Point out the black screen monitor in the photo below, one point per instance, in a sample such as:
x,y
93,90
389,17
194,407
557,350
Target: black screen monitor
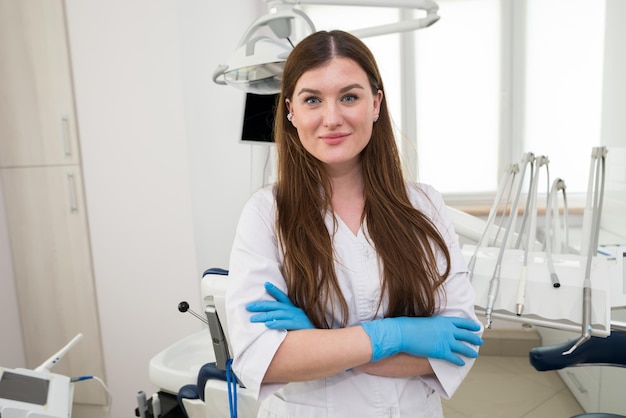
x,y
258,118
23,388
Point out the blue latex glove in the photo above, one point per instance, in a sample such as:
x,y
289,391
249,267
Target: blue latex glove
x,y
279,314
439,337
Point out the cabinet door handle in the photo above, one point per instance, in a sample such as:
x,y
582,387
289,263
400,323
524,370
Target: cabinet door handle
x,y
65,134
71,189
581,388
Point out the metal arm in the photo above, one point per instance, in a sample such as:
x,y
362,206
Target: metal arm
x,y
595,196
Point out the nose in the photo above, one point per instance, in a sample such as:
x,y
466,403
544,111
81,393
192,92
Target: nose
x,y
332,115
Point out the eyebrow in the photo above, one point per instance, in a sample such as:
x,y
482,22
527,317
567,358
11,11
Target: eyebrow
x,y
342,90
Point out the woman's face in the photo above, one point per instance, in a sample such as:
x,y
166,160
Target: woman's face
x,y
333,111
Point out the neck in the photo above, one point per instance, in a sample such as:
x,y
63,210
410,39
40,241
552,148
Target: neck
x,y
348,199
347,182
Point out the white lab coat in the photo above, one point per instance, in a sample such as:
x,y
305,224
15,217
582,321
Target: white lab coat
x,y
256,258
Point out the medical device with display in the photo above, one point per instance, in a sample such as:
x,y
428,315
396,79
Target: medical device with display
x,y
37,393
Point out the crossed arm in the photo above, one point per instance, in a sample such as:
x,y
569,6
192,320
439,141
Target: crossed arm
x,y
394,347
314,354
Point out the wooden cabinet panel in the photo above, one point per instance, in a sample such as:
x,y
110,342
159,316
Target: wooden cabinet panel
x,y
52,265
37,123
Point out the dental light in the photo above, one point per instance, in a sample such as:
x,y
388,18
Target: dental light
x,y
257,63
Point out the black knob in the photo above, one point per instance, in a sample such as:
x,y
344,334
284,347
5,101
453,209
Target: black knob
x,y
183,306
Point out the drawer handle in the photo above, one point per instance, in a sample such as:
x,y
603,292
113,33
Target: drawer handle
x,y
65,134
581,388
71,187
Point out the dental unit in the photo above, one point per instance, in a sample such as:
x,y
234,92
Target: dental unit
x,y
494,283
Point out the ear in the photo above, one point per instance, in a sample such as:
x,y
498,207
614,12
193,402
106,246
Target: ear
x,y
378,99
289,107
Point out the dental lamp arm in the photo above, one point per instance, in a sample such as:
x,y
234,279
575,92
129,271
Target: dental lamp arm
x,y
429,6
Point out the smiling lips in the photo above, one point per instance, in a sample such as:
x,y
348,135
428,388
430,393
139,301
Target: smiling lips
x,y
334,138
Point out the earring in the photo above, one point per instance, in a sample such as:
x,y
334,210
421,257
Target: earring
x,y
289,116
376,118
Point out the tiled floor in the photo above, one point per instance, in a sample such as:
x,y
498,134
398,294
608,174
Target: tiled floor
x,y
506,386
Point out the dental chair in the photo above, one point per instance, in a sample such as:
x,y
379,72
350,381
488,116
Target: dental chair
x,y
209,397
598,351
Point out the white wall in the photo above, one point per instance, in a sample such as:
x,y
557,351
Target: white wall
x,y
223,171
613,120
614,89
159,147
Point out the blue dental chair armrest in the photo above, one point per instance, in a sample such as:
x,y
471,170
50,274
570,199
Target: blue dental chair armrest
x,y
209,371
597,351
215,270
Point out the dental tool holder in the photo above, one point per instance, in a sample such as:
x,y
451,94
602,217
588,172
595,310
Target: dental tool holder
x,y
509,267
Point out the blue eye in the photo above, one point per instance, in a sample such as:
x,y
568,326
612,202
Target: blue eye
x,y
350,98
312,100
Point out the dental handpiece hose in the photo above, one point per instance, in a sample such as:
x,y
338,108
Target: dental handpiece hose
x,y
494,285
521,292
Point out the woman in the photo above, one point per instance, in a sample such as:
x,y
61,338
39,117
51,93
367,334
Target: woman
x,y
379,316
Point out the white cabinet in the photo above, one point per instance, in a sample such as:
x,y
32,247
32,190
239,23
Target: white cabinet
x,y
43,192
52,266
36,100
596,388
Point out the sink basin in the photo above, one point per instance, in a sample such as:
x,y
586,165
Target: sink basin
x,y
178,364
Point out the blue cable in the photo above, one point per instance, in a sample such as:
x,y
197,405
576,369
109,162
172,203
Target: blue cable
x,y
231,381
80,378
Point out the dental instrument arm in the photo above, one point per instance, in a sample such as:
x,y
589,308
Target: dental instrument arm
x,y
494,286
509,175
565,245
494,283
598,158
551,206
526,212
520,298
531,207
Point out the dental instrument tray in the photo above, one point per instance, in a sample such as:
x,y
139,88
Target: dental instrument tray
x,y
547,306
522,279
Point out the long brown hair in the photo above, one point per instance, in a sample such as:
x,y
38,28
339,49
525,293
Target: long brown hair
x,y
405,239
